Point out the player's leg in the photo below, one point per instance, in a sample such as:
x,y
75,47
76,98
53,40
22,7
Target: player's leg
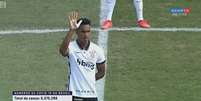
x,y
107,11
139,11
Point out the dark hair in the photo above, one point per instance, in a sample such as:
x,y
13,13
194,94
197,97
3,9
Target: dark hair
x,y
85,21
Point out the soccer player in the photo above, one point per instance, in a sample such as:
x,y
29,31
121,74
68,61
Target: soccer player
x,y
108,8
86,59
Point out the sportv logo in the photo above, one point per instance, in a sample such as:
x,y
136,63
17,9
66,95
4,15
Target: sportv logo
x,y
180,11
89,65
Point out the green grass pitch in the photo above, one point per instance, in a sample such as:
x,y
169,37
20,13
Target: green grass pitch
x,y
142,66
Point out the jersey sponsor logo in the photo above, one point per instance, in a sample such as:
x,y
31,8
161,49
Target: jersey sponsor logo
x,y
83,63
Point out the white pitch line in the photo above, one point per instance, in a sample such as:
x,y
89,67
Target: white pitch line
x,y
100,85
157,29
40,31
102,41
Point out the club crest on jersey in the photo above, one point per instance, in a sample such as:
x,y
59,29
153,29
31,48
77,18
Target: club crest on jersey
x,y
88,65
92,53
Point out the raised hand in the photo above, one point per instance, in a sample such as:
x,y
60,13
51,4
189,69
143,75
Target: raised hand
x,y
72,19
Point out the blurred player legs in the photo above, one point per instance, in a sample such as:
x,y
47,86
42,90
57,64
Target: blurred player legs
x,y
108,8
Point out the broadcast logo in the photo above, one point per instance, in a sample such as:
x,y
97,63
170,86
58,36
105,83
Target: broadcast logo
x,y
180,11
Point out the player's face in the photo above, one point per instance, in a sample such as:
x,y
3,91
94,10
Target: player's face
x,y
84,33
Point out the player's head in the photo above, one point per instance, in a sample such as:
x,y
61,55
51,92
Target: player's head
x,y
85,21
84,30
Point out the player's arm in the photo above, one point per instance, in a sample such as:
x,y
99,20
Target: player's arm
x,y
100,71
72,20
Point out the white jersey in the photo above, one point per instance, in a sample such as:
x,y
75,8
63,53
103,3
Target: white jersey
x,y
82,69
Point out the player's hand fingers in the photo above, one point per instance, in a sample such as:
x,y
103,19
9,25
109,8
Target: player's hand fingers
x,y
70,21
73,19
76,14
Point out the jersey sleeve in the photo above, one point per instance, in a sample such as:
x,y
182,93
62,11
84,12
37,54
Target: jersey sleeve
x,y
101,56
70,47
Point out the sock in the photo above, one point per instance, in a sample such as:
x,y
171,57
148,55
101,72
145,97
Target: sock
x,y
108,8
139,9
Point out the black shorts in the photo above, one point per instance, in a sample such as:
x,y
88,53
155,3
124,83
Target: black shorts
x,y
75,98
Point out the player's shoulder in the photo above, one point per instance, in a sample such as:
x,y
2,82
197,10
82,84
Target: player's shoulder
x,y
72,43
95,46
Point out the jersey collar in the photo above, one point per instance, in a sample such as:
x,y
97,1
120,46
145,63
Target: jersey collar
x,y
85,48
